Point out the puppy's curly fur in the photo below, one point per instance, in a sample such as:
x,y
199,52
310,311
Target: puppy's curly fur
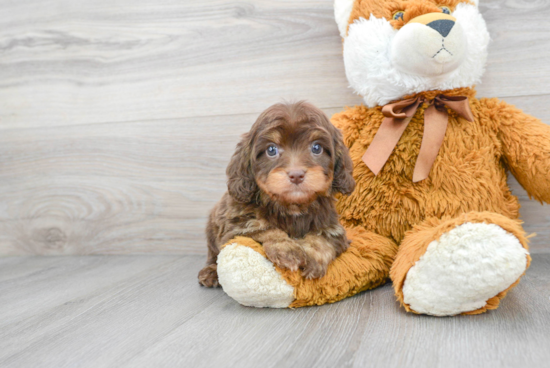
x,y
281,182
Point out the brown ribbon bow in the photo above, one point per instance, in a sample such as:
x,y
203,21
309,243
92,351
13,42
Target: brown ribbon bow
x,y
396,118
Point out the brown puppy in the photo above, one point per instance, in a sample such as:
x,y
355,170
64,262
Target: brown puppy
x,y
281,182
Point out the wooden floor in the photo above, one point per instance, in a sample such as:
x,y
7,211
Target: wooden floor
x,y
148,311
117,119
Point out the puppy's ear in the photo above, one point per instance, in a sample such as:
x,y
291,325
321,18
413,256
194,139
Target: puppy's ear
x,y
343,181
240,179
343,166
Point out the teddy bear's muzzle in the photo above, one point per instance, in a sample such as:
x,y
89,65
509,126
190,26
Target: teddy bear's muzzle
x,y
428,45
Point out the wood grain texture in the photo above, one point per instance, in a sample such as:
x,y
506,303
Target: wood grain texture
x,y
71,62
148,311
126,60
118,117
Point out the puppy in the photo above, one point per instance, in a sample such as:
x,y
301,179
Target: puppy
x,y
281,182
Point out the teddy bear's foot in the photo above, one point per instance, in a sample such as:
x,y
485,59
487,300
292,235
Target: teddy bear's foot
x,y
251,279
467,269
463,269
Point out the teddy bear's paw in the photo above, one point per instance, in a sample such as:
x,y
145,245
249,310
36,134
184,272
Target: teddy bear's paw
x,y
462,270
249,278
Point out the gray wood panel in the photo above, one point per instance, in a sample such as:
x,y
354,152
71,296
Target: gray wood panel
x,y
148,311
118,117
129,187
78,62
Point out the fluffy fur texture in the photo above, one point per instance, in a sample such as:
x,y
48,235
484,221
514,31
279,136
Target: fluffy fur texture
x,y
281,182
342,11
465,267
241,269
463,218
467,175
247,276
433,230
376,51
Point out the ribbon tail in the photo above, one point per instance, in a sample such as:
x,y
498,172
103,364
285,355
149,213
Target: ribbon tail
x,y
458,104
384,142
435,126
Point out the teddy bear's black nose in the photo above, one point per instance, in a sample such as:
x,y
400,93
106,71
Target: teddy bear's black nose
x,y
443,26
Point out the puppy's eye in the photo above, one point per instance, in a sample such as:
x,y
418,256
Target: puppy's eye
x,y
272,151
398,15
445,9
316,149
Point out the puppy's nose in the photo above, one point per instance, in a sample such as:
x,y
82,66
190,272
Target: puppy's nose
x,y
296,176
443,26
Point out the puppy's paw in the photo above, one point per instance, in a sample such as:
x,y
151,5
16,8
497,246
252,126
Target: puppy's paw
x,y
208,276
285,254
314,269
319,253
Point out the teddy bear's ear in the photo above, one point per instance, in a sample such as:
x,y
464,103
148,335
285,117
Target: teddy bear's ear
x,y
342,12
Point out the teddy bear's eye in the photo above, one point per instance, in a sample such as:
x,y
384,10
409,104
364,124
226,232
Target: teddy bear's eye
x,y
398,15
445,9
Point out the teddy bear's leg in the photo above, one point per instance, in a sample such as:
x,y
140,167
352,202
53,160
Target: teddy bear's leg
x,y
464,265
248,277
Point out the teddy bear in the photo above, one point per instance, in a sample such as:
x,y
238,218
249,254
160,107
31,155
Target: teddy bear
x,y
432,210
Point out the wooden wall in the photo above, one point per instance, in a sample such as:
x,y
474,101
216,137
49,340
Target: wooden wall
x,y
118,117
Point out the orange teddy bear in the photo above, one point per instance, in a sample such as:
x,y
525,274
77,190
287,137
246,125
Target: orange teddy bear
x,y
432,209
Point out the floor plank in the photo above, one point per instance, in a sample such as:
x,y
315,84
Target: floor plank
x,y
37,284
97,323
159,316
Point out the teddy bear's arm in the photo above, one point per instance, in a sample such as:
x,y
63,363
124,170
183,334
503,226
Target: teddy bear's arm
x,y
526,148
